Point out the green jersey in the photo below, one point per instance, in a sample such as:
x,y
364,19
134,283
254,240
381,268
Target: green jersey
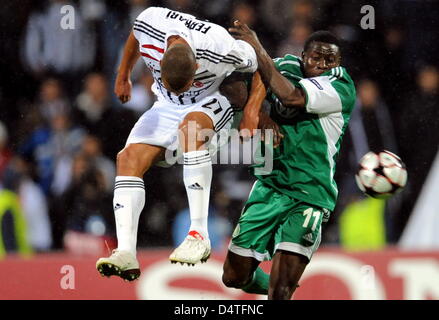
x,y
304,163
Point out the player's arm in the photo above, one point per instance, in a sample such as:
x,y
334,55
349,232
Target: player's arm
x,y
123,86
287,93
253,116
235,89
250,117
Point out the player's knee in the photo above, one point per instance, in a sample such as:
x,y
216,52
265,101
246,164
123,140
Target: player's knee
x,y
196,121
129,162
232,280
284,290
195,131
125,158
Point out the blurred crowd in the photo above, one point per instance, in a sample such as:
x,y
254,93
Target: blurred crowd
x,y
61,125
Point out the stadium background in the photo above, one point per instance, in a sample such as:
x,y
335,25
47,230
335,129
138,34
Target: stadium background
x,y
61,128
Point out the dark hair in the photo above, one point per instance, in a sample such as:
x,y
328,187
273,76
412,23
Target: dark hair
x,y
178,66
321,36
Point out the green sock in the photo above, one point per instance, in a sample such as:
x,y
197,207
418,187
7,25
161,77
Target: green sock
x,y
259,283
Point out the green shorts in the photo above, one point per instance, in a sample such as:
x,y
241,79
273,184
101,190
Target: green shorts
x,y
271,220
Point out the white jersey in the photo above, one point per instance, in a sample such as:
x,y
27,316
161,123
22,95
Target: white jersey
x,y
217,52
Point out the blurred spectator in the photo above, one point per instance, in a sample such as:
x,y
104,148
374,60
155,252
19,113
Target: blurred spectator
x,y
419,125
217,11
51,99
244,12
89,201
236,182
95,113
92,10
136,8
91,148
394,79
377,122
185,6
86,205
113,31
5,152
142,97
51,49
276,15
304,11
296,40
14,228
48,144
33,204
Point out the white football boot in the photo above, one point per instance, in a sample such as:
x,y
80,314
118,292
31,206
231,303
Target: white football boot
x,y
192,250
121,263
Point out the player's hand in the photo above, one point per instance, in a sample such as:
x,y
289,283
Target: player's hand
x,y
122,89
241,31
266,123
248,126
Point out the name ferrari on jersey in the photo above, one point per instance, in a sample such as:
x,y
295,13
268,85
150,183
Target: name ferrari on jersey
x,y
189,23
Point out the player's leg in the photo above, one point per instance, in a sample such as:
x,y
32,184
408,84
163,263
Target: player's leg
x,y
286,270
145,146
253,241
297,239
243,273
128,202
197,178
129,191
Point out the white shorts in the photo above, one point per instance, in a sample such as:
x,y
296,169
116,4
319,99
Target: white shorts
x,y
159,125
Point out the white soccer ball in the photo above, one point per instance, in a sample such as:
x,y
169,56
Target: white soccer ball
x,y
382,174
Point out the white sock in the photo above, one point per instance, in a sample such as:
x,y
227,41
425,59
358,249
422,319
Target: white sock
x,y
128,202
197,177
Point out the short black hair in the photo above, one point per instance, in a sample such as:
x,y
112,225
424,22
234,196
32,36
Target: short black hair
x,y
178,66
321,36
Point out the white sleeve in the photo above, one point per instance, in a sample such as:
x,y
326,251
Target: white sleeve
x,y
142,19
321,97
244,57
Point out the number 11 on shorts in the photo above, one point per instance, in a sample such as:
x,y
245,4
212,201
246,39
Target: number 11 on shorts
x,y
309,213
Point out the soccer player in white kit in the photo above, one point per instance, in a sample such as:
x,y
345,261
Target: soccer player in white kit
x,y
189,58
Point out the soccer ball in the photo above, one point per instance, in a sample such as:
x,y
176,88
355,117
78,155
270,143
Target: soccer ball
x,y
380,175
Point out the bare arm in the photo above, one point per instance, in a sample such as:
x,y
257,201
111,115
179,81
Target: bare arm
x,y
123,86
288,94
250,117
253,117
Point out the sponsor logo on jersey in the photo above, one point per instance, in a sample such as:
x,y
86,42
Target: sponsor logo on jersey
x,y
198,84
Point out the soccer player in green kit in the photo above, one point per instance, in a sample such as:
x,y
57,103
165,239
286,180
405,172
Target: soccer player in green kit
x,y
311,101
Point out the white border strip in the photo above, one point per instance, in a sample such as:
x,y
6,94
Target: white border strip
x,y
248,252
